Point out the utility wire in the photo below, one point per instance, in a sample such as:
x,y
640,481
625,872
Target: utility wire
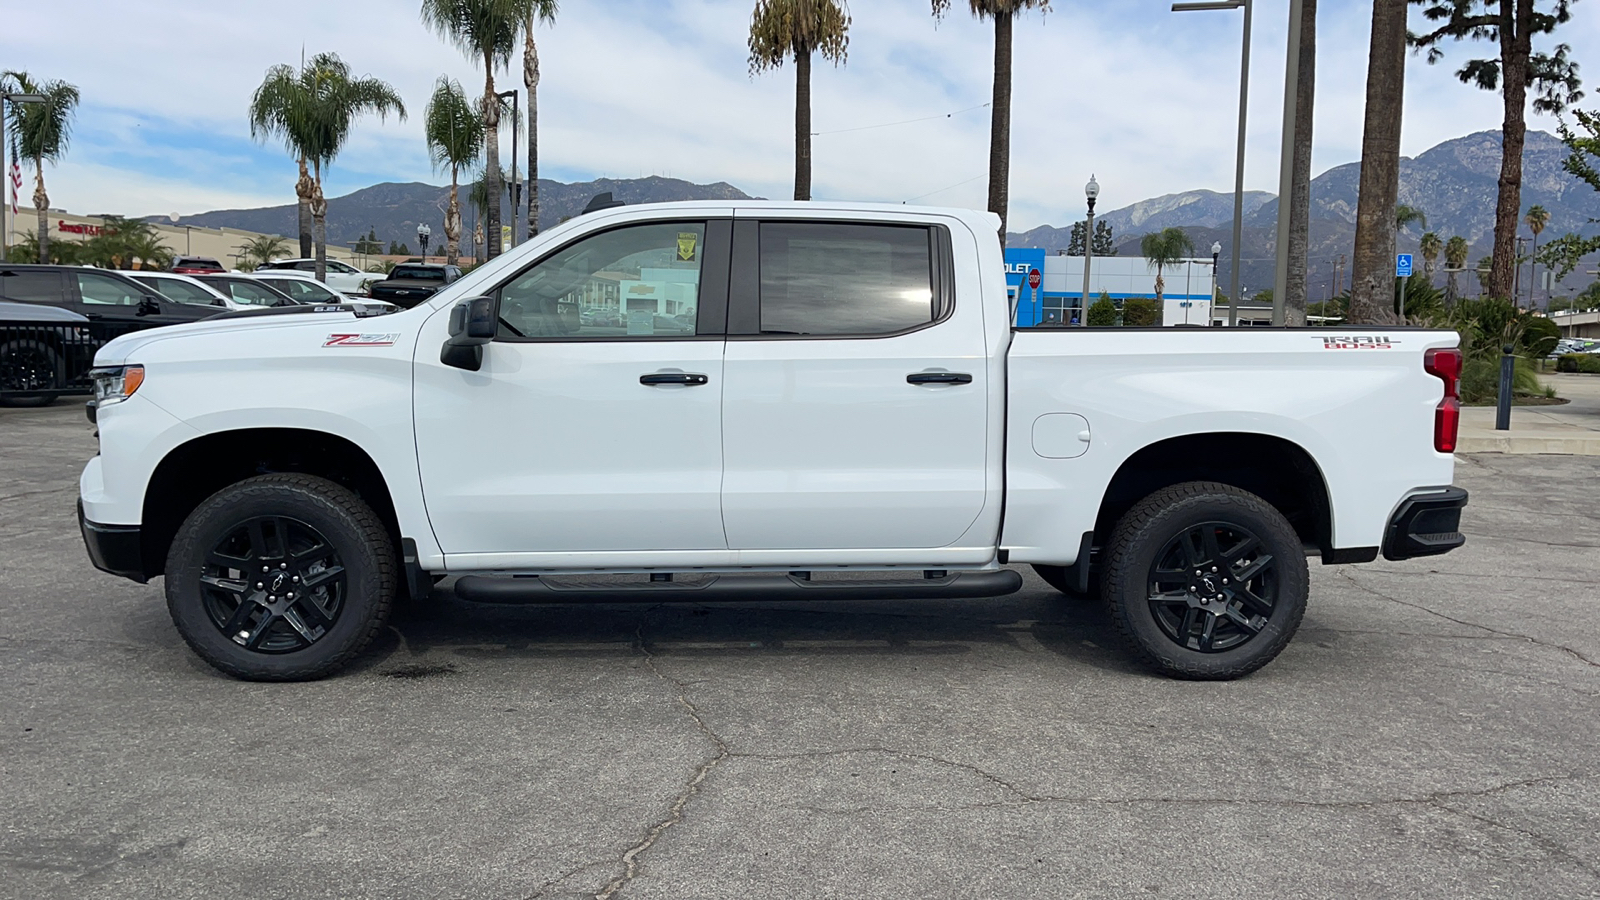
x,y
942,190
906,122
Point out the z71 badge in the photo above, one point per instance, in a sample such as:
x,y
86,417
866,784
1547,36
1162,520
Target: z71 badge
x,y
361,340
1358,342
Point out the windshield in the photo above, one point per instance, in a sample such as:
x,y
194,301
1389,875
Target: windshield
x,y
419,273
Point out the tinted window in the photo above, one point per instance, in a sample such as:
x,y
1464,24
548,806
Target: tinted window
x,y
829,278
108,291
309,266
197,262
639,281
32,287
420,273
304,290
181,291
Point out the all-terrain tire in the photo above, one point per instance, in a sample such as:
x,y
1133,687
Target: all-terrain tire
x,y
356,540
1151,528
29,364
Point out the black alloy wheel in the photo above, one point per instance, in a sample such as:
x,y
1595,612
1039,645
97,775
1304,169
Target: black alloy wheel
x,y
1213,587
28,369
273,584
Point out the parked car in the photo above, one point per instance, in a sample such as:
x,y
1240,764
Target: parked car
x,y
182,288
98,294
304,287
42,348
411,283
871,408
247,292
194,265
343,278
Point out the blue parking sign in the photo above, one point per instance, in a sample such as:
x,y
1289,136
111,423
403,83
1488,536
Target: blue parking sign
x,y
1402,265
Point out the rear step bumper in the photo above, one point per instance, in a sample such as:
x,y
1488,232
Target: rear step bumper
x,y
722,588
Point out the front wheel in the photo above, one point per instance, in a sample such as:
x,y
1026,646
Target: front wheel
x,y
281,578
1205,581
28,365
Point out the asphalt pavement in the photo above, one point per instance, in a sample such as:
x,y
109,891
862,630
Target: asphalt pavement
x,y
1431,733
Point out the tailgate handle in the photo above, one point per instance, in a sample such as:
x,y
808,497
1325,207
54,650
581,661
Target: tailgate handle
x,y
938,378
684,378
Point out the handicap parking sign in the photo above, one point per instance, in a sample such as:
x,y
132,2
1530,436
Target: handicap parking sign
x,y
1402,265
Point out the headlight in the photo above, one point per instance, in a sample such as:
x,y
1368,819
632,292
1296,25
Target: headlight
x,y
114,383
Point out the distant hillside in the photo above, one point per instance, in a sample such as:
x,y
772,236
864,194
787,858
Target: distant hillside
x,y
394,210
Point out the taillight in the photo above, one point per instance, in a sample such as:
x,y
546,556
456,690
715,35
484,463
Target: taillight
x,y
1445,364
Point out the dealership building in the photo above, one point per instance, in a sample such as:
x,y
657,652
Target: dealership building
x,y
1055,296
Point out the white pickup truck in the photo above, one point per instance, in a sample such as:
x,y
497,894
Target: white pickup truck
x,y
750,401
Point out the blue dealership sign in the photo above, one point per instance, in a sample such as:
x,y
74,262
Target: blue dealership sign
x,y
1019,262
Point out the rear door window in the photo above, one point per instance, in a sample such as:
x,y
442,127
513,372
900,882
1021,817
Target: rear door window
x,y
103,290
31,286
181,291
845,279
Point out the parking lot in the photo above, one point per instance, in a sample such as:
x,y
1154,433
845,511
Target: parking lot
x,y
1434,731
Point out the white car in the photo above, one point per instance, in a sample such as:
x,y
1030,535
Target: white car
x,y
849,394
183,289
305,288
343,278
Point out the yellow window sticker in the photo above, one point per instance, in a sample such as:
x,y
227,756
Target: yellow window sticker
x,y
686,242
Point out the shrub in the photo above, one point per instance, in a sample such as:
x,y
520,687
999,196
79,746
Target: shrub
x,y
1140,312
1102,313
1585,363
1540,337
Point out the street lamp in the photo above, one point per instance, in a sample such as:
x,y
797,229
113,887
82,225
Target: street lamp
x,y
5,232
423,233
1238,178
1216,258
1091,191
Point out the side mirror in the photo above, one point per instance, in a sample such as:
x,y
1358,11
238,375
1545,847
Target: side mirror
x,y
473,323
149,306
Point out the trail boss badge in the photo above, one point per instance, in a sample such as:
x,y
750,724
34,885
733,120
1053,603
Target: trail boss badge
x,y
1357,342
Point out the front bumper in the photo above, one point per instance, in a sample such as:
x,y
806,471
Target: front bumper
x,y
113,548
1426,524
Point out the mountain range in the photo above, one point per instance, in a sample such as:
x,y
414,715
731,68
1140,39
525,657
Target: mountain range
x,y
1454,183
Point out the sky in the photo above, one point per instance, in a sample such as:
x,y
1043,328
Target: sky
x,y
1140,97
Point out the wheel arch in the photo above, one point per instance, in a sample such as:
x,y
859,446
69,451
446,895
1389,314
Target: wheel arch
x,y
1278,470
198,468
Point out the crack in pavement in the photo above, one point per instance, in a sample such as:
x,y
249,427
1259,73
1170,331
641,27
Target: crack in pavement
x,y
1529,638
559,879
1528,540
1434,573
1547,844
630,858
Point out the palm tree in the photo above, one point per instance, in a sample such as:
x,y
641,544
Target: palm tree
x,y
260,250
1485,273
1538,217
1163,248
312,111
486,30
1002,12
783,28
1406,216
1455,259
1299,201
40,132
1429,246
280,108
454,131
1372,267
544,10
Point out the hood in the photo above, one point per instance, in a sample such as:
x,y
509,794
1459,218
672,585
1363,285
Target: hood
x,y
121,349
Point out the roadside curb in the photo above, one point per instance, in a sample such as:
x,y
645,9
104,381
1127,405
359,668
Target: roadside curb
x,y
1508,442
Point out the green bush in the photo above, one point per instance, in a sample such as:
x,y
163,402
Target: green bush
x,y
1540,337
1480,380
1102,313
1140,312
1585,363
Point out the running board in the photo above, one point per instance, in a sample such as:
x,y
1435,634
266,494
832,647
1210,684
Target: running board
x,y
762,586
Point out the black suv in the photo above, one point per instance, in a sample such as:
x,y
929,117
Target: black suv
x,y
97,294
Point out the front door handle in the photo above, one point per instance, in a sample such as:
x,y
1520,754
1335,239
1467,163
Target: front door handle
x,y
688,379
938,378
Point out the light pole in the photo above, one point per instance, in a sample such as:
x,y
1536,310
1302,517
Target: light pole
x,y
1216,256
1091,191
423,233
1238,178
5,232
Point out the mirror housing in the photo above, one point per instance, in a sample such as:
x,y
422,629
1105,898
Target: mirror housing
x,y
149,306
473,323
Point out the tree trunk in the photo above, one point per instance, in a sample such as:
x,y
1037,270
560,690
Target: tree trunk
x,y
452,223
491,159
303,189
1000,125
41,205
1451,291
1294,295
802,125
530,80
1515,44
319,225
1372,269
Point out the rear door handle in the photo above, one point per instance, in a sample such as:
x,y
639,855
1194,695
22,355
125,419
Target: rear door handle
x,y
938,378
685,378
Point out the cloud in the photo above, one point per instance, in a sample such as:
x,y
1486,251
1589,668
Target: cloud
x,y
1143,98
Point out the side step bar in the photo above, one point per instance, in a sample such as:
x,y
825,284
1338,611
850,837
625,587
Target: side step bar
x,y
760,586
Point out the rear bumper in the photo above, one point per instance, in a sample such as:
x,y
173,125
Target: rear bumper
x,y
113,548
1426,524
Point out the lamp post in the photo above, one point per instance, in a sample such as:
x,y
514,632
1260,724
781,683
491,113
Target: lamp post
x,y
1238,178
5,231
1216,256
423,233
1091,191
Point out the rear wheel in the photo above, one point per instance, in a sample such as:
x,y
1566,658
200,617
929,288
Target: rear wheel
x,y
28,365
281,578
1205,581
